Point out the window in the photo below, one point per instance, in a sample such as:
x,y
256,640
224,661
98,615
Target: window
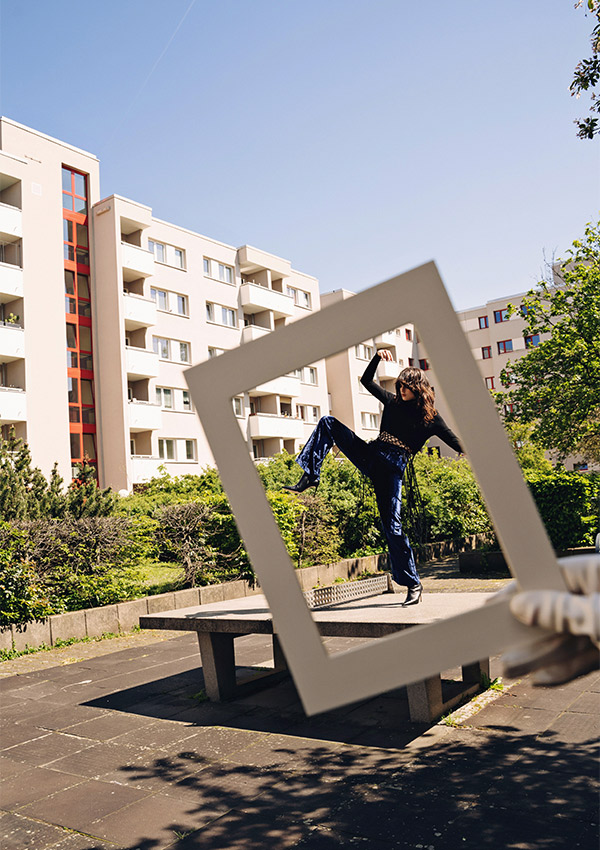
x,y
483,322
509,408
309,375
214,352
179,258
186,400
301,298
411,361
161,347
161,298
228,317
225,273
182,305
364,352
580,467
164,397
158,249
190,450
408,334
505,346
206,266
489,382
220,315
486,352
424,365
501,316
184,352
314,413
369,420
166,449
238,406
532,341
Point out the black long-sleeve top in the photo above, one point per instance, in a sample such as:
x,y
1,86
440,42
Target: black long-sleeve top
x,y
402,419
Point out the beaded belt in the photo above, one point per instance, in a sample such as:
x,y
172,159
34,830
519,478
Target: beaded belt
x,y
384,437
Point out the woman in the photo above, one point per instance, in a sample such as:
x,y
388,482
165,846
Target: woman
x,y
408,420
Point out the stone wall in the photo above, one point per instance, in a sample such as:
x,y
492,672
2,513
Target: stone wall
x,y
122,617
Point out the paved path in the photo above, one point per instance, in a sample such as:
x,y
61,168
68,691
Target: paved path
x,y
111,745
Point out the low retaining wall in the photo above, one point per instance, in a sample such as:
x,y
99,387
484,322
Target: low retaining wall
x,y
123,616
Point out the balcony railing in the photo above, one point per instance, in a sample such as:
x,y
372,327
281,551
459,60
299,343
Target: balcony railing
x,y
144,467
13,405
252,332
141,363
11,226
11,282
12,342
136,262
138,312
286,385
144,415
255,299
266,425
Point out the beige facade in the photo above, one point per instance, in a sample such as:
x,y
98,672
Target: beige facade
x,y
162,299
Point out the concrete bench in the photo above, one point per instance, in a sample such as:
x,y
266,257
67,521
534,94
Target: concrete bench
x,y
339,611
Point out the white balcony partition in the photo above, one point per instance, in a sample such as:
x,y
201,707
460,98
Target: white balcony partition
x,y
386,340
266,425
255,298
12,342
11,282
138,312
13,405
136,262
141,363
144,416
11,226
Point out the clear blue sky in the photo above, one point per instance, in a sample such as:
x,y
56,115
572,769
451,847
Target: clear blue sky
x,y
357,138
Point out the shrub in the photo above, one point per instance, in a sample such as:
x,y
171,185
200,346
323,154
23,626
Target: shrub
x,y
22,596
568,506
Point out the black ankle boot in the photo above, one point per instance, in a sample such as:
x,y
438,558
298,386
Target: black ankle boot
x,y
413,596
305,482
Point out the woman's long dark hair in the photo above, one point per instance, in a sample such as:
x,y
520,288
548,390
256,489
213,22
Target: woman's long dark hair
x,y
416,381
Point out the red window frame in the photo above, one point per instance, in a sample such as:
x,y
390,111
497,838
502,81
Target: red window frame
x,y
489,382
486,352
483,322
502,346
501,315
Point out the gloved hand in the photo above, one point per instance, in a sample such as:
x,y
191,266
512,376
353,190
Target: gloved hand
x,y
574,615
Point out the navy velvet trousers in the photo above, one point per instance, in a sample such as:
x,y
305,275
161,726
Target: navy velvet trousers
x,y
384,464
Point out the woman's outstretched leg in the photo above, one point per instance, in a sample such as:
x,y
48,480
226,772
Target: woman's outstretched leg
x,y
330,431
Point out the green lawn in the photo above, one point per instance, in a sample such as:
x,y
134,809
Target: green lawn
x,y
159,578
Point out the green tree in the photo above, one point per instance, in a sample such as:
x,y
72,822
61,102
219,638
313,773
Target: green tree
x,y
587,74
555,387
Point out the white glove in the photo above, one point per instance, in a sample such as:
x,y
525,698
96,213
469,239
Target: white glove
x,y
574,615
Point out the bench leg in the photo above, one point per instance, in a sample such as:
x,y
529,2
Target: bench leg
x,y
218,665
278,657
425,700
472,673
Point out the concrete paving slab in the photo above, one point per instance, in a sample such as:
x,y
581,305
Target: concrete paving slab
x,y
23,833
34,784
79,807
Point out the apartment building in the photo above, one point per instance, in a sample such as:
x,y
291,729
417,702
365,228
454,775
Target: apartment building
x,y
103,307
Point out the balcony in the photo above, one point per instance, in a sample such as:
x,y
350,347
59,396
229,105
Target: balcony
x,y
141,363
11,227
12,342
252,332
266,425
11,282
388,370
136,262
252,260
13,405
255,299
144,467
386,340
284,386
144,416
138,312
